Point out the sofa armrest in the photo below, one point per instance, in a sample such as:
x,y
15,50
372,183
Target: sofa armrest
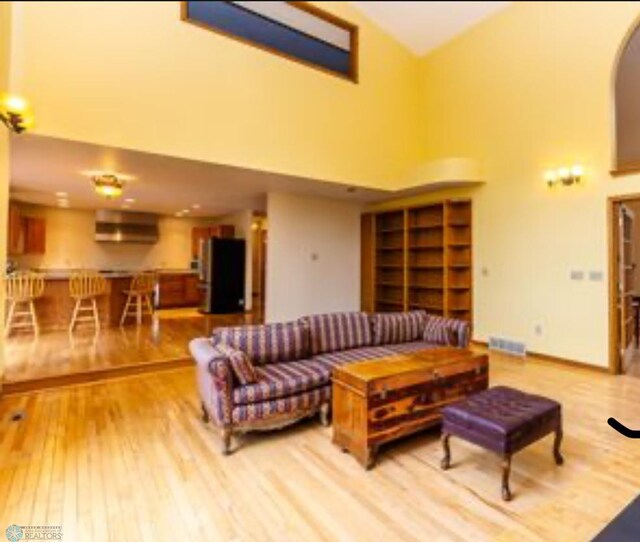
x,y
447,331
215,380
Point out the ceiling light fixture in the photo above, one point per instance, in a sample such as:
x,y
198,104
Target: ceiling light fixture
x,y
15,113
108,185
61,195
129,200
195,206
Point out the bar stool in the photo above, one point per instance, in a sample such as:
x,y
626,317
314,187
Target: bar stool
x,y
23,288
85,287
139,297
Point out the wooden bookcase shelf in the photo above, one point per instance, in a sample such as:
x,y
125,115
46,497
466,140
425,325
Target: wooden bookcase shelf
x,y
419,257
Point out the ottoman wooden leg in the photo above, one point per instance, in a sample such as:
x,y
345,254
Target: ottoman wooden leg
x,y
556,447
506,471
446,460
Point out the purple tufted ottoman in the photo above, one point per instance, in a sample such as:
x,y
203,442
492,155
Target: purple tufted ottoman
x,y
505,421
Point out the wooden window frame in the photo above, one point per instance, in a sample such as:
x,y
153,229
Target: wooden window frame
x,y
353,30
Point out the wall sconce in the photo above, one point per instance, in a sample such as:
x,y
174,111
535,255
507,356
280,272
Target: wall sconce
x,y
15,113
564,175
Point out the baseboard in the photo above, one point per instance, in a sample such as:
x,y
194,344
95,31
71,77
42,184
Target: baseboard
x,y
554,359
88,377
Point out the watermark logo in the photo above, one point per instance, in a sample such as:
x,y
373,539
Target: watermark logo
x,y
19,533
14,533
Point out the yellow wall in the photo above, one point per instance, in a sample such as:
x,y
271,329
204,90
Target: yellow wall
x,y
132,74
5,34
527,90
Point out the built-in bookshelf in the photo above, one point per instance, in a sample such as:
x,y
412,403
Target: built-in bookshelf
x,y
419,258
390,247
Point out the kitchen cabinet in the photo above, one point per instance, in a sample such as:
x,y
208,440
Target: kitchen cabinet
x,y
14,241
35,235
205,232
192,292
178,290
27,235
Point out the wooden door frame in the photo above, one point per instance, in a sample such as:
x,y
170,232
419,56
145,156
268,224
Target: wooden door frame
x,y
614,279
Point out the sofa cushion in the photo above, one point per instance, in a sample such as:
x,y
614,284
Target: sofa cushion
x,y
333,359
338,331
302,403
282,379
270,343
398,327
241,365
409,348
446,331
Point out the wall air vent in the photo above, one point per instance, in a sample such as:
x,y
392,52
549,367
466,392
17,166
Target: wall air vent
x,y
298,31
510,347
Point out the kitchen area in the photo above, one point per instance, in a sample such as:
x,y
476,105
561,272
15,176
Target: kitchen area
x,y
200,267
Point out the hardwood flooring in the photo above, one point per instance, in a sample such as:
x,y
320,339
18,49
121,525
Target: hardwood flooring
x,y
129,459
58,354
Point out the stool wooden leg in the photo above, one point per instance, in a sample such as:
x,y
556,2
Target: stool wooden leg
x,y
96,314
34,318
125,310
9,323
446,460
147,299
139,309
557,441
74,315
506,471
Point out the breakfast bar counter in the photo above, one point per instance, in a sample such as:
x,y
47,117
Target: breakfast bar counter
x,y
55,307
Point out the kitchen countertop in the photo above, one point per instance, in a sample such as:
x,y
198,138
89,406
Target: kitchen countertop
x,y
65,274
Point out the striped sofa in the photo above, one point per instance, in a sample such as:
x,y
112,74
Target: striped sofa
x,y
267,376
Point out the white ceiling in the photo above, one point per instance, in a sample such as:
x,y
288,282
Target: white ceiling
x,y
423,26
42,166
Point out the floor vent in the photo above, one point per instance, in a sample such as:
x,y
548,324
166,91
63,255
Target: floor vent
x,y
510,347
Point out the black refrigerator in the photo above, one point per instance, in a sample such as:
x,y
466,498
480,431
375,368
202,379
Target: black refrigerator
x,y
222,272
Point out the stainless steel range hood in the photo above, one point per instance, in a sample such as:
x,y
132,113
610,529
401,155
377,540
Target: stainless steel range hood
x,y
120,227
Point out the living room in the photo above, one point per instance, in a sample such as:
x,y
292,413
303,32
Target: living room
x,y
461,159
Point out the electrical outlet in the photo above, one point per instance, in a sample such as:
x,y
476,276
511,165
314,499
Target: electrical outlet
x,y
596,276
577,274
538,329
485,271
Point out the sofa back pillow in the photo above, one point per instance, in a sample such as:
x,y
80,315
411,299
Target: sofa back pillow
x,y
241,365
338,331
269,343
398,327
446,331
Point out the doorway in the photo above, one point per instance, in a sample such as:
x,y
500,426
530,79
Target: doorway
x,y
624,295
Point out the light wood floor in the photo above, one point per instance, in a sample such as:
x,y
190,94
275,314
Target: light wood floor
x,y
130,460
56,353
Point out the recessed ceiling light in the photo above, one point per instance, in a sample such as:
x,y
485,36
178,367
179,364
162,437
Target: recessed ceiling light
x,y
61,194
195,206
185,211
130,200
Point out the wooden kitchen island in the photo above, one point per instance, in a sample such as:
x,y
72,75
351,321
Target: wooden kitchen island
x,y
55,307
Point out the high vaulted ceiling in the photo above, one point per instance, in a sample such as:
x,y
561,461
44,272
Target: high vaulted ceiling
x,y
423,26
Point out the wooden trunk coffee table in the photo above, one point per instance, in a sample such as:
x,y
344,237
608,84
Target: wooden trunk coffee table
x,y
378,401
